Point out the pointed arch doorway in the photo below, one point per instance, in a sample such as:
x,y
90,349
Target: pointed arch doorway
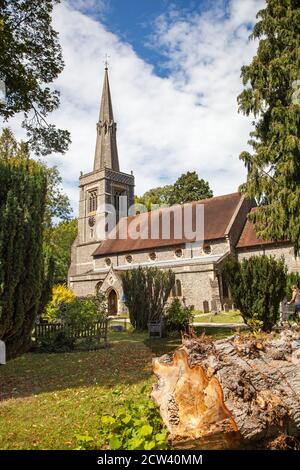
x,y
112,301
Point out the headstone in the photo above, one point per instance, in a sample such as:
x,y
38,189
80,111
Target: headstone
x,y
214,306
205,306
2,352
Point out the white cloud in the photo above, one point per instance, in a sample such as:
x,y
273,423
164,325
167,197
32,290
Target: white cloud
x,y
166,126
94,7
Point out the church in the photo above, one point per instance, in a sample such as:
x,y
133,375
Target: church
x,y
98,259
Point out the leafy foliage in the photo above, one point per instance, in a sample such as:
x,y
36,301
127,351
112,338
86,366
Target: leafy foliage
x,y
178,316
75,315
58,342
272,96
257,286
146,293
58,238
57,202
30,60
23,188
61,295
187,188
156,196
59,242
65,308
82,313
134,426
48,281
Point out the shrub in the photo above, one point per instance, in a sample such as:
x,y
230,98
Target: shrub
x,y
58,342
80,313
178,316
61,295
146,293
134,426
64,307
257,286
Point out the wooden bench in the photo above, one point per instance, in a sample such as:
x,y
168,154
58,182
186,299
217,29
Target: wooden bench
x,y
155,329
287,312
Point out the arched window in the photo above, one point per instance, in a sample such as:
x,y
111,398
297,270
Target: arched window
x,y
93,200
98,287
178,288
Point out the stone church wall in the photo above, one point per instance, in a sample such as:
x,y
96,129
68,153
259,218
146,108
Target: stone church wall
x,y
278,250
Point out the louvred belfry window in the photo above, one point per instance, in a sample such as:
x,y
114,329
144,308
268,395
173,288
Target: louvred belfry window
x,y
93,201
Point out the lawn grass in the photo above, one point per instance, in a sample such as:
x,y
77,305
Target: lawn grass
x,y
233,316
46,398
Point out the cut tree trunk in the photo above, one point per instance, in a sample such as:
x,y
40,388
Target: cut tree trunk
x,y
225,393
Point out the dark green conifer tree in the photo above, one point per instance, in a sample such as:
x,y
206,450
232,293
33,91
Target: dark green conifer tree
x,y
23,187
272,96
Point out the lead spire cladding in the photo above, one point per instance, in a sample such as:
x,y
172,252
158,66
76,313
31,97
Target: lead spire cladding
x,y
106,153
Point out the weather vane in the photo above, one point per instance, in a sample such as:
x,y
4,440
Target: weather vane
x,y
106,61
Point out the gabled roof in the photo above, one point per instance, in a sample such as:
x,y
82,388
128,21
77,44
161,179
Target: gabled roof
x,y
218,213
249,239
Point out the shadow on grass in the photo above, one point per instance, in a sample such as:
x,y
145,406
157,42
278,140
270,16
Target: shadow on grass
x,y
125,362
167,345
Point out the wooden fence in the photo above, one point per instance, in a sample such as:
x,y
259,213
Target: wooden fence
x,y
95,330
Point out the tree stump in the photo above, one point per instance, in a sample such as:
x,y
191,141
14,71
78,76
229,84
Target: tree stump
x,y
225,393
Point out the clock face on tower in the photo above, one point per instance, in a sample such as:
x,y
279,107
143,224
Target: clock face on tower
x,y
92,221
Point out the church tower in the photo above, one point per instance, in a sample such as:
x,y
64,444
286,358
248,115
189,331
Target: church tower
x,y
102,188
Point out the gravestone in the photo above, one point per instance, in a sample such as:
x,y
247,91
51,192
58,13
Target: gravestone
x,y
2,352
214,306
205,306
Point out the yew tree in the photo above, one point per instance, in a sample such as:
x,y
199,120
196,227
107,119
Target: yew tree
x,y
272,97
23,278
257,285
146,292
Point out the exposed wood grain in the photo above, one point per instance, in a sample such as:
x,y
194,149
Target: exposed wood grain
x,y
216,394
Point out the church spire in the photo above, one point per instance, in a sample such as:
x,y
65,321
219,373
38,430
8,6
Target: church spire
x,y
106,154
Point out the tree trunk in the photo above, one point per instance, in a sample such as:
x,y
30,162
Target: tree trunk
x,y
226,393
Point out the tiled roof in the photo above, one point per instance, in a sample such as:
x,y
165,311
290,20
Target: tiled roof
x,y
248,237
218,212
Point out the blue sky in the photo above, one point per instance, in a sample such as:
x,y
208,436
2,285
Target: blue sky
x,y
134,22
174,72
